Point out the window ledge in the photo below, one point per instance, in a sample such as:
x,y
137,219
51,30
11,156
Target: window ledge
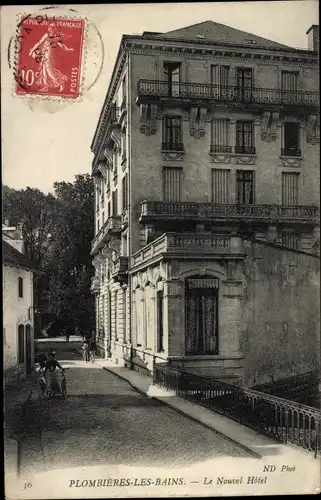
x,y
176,151
291,157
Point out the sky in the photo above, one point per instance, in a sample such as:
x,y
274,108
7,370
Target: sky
x,y
43,142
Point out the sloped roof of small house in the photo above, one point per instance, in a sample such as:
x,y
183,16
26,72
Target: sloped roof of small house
x,y
216,32
13,258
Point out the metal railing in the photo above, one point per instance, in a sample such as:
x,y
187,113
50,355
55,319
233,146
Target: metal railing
x,y
245,150
172,146
227,93
291,152
215,148
278,418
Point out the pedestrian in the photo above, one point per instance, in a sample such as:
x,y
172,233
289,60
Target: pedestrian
x,y
67,336
85,348
93,349
50,374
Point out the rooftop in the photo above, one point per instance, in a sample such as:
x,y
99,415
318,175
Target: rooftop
x,y
12,257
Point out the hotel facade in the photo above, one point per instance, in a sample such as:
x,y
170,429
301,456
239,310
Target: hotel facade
x,y
206,171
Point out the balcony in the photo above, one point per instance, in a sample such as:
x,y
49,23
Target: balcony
x,y
245,150
95,285
153,211
173,146
120,269
195,245
109,229
155,90
291,152
215,148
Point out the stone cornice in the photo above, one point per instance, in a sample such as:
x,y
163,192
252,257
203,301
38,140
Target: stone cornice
x,y
215,49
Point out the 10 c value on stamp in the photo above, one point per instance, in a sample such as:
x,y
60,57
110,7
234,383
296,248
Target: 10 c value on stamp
x,y
49,55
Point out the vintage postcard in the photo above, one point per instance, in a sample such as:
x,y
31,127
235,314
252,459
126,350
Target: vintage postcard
x,y
161,250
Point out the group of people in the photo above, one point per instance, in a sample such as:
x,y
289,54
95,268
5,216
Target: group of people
x,y
49,367
89,349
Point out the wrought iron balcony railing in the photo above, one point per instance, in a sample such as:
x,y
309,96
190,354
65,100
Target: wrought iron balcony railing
x,y
279,418
220,149
207,212
291,152
189,243
245,150
225,93
172,146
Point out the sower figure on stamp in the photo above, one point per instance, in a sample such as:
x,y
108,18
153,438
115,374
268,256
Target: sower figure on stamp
x,y
43,52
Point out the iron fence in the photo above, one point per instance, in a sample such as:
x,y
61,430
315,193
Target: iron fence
x,y
275,417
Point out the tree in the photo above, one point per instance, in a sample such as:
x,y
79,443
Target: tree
x,y
36,212
69,267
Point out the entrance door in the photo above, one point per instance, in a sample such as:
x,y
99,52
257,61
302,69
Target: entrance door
x,y
201,316
28,350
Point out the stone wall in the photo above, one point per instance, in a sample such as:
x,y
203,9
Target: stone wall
x,y
281,334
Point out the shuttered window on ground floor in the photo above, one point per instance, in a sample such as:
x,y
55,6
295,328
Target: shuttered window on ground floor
x,y
291,240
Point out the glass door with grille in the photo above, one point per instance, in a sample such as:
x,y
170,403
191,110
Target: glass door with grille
x,y
244,79
201,316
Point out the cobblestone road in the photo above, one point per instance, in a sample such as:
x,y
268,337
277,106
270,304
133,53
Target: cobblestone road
x,y
105,421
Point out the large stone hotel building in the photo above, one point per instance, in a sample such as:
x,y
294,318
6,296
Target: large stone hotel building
x,y
206,171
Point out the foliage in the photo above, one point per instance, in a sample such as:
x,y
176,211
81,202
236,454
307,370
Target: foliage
x,y
58,230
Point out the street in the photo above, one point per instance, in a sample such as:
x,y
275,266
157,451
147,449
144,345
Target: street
x,y
105,421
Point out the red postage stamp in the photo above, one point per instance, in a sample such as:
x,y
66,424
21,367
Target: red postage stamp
x,y
49,56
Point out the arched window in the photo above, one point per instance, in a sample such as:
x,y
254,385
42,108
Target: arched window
x,y
201,299
21,344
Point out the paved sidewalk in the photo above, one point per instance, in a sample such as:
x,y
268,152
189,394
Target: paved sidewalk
x,y
259,445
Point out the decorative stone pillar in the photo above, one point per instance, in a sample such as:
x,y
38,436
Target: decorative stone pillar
x,y
230,318
152,325
174,324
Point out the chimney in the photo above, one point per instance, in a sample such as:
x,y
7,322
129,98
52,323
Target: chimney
x,y
313,37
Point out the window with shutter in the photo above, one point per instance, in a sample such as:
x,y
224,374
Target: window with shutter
x,y
20,287
290,188
291,139
220,136
172,183
21,344
220,186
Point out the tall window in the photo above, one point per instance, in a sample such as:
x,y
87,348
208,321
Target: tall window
x,y
244,82
220,186
115,202
109,209
219,80
160,331
125,191
172,72
244,137
201,331
20,287
220,136
115,161
173,183
289,85
245,187
172,134
21,344
291,139
290,188
123,143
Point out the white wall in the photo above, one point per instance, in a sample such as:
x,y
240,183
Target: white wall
x,y
15,311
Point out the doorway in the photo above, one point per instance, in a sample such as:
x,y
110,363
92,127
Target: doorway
x,y
201,296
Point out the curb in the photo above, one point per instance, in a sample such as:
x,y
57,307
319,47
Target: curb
x,y
181,412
